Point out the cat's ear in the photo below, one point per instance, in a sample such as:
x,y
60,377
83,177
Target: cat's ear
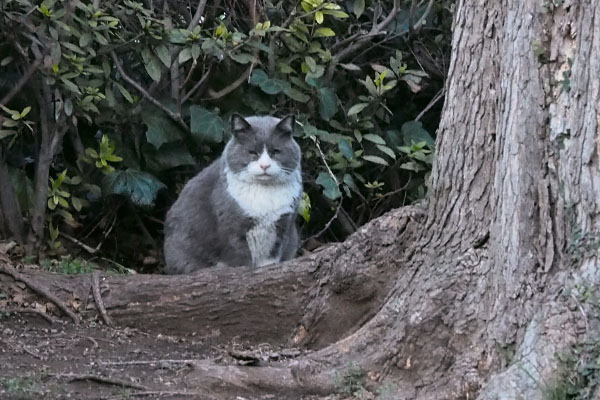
x,y
286,125
238,124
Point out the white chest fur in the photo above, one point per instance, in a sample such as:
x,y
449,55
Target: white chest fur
x,y
266,204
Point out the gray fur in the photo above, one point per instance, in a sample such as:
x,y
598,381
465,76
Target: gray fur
x,y
207,226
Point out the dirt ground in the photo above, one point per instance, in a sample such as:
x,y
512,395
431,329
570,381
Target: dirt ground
x,y
41,360
44,355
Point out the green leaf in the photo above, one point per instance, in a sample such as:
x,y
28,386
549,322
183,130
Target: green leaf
x,y
170,155
70,85
324,32
242,58
68,107
374,138
297,95
85,39
414,131
336,13
310,63
304,207
376,160
275,86
163,54
327,103
330,187
205,125
161,129
387,151
153,68
178,36
139,187
196,51
5,61
9,123
258,77
359,7
319,17
74,48
357,108
4,133
100,38
349,181
124,92
185,55
346,148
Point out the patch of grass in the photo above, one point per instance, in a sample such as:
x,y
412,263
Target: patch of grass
x,y
351,381
68,265
22,387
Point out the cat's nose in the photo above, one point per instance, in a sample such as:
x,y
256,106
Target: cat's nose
x,y
265,167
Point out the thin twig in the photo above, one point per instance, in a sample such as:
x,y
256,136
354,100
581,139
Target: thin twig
x,y
197,85
89,249
30,311
232,86
377,29
175,117
100,379
24,79
98,299
411,17
421,20
39,290
327,225
435,99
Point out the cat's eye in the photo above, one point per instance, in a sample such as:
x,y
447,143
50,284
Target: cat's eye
x,y
275,151
252,153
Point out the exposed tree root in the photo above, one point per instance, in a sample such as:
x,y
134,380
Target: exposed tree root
x,y
39,289
98,299
26,310
100,379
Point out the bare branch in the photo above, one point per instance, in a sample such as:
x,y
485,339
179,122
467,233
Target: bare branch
x,y
24,79
197,85
39,290
232,86
327,225
363,40
174,116
197,14
435,99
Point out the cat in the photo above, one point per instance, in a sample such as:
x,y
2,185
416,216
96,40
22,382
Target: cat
x,y
241,209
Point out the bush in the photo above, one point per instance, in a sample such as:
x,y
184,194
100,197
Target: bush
x,y
108,103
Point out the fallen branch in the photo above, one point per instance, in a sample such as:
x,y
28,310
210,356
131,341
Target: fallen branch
x,y
98,299
26,310
39,290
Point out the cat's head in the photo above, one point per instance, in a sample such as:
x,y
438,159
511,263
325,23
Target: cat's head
x,y
262,149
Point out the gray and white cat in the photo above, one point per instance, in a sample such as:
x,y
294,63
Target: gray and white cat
x,y
241,209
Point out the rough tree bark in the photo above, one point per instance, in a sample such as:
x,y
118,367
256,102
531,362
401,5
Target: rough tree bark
x,y
433,297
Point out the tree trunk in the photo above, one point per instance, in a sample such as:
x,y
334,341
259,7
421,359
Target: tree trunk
x,y
11,219
436,304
